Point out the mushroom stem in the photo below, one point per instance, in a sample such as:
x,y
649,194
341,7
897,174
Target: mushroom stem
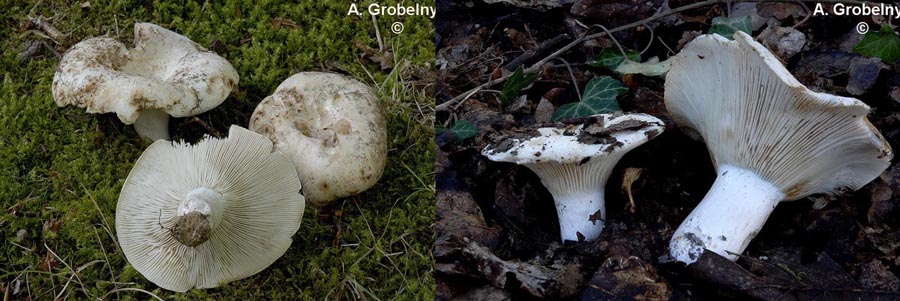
x,y
728,217
197,215
152,124
578,214
577,191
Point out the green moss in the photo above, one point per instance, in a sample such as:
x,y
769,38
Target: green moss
x,y
61,169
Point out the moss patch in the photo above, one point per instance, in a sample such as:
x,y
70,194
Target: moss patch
x,y
61,169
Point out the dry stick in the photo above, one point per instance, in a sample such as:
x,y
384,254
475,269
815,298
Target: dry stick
x,y
572,74
611,37
650,43
51,31
542,49
444,106
377,34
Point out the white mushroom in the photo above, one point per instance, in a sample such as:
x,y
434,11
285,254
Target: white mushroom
x,y
574,161
206,214
331,127
164,74
770,138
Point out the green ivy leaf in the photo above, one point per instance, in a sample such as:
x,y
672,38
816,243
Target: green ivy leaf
x,y
599,98
515,83
610,58
463,129
883,44
726,27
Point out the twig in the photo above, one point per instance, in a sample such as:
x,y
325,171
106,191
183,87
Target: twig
x,y
377,34
444,106
650,43
611,37
133,290
572,74
809,14
51,31
542,49
197,120
74,272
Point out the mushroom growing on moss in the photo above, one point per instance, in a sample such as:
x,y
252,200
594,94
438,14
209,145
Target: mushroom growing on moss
x,y
574,160
770,138
331,127
164,74
206,214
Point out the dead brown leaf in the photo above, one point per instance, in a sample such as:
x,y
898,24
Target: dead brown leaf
x,y
48,263
384,59
278,23
631,175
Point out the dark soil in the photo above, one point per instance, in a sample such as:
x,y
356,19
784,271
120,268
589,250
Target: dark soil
x,y
497,229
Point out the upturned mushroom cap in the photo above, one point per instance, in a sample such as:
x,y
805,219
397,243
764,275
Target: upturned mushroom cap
x,y
164,71
595,136
331,127
770,138
207,214
753,114
573,160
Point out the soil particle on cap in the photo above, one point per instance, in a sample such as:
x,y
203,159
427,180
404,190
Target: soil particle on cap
x,y
613,146
512,140
191,229
585,160
631,124
651,134
588,138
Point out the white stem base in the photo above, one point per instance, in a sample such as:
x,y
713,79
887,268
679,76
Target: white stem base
x,y
728,218
152,124
581,213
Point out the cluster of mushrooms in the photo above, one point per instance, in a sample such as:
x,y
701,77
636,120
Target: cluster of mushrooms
x,y
770,138
223,209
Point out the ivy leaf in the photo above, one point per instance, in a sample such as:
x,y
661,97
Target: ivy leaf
x,y
599,98
610,58
515,83
726,27
883,44
463,129
603,89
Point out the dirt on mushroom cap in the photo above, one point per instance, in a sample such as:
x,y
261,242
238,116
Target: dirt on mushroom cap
x,y
332,128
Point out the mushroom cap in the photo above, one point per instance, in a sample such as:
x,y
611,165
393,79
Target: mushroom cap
x,y
261,209
164,71
753,114
331,127
570,143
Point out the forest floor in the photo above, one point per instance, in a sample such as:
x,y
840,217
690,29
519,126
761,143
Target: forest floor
x,y
497,236
61,169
